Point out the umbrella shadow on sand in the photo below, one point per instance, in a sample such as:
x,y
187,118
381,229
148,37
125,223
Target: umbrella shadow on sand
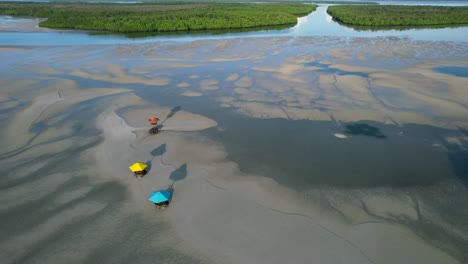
x,y
171,114
177,175
149,163
159,151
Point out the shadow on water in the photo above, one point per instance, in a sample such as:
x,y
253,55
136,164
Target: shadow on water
x,y
179,174
171,114
397,28
363,129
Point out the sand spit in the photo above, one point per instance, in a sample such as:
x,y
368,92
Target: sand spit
x,y
170,119
191,94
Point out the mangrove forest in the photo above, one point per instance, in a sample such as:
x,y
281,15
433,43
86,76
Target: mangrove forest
x,y
393,15
159,17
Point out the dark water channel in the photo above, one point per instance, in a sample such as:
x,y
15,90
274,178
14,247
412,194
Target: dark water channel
x,y
301,153
318,23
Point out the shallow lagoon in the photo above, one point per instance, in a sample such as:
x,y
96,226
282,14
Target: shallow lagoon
x,y
279,104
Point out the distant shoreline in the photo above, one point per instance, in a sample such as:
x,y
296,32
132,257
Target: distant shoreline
x,y
159,17
399,15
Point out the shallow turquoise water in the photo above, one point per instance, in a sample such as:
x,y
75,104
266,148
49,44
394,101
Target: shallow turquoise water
x,y
453,70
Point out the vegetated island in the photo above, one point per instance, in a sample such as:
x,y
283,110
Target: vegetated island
x,y
159,17
399,15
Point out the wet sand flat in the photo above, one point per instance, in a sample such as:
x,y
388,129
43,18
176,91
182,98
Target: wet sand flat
x,y
76,118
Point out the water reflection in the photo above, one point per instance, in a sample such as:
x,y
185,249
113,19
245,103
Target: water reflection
x,y
399,28
197,33
318,23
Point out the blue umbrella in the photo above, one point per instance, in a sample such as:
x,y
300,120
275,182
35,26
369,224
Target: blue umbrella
x,y
160,196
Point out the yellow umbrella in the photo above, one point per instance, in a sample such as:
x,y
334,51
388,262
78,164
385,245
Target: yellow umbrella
x,y
138,166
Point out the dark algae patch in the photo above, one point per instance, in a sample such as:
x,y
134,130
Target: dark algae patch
x,y
363,129
394,15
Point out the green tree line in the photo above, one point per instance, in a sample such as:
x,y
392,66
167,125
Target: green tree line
x,y
159,17
393,15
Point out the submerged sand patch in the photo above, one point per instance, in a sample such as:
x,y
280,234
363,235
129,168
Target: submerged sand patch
x,y
183,85
209,84
191,94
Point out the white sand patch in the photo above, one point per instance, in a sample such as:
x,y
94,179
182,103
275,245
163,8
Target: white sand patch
x,y
232,77
183,85
179,120
241,90
210,84
191,94
245,81
194,76
339,135
186,121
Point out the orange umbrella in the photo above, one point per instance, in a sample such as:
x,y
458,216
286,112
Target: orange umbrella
x,y
153,120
